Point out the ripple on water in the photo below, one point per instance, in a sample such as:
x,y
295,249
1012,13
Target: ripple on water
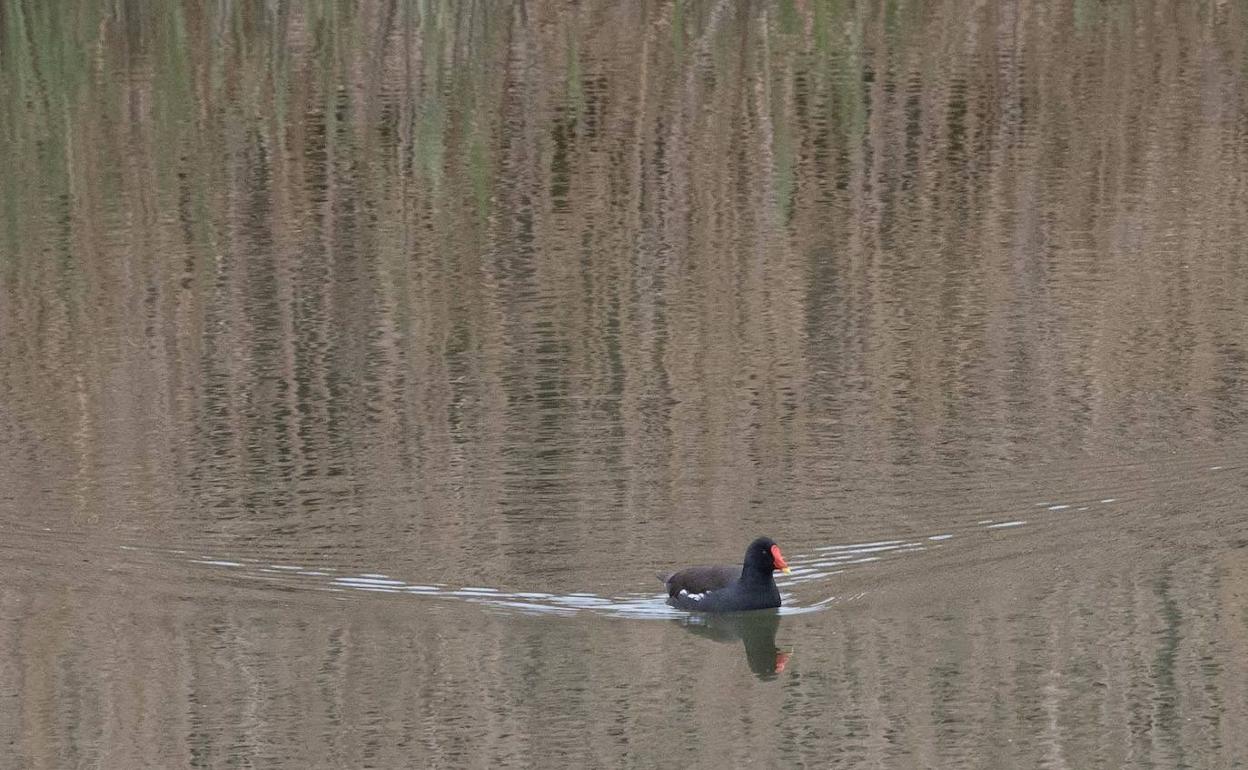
x,y
810,587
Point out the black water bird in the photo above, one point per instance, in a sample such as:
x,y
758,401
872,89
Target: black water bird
x,y
721,588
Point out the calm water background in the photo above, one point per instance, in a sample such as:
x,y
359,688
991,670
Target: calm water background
x,y
361,363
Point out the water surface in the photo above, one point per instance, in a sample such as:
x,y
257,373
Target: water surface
x,y
360,364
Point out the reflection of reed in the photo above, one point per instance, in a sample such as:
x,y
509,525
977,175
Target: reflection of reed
x,y
327,245
419,228
1121,667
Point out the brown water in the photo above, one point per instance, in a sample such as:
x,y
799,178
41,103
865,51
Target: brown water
x,y
360,365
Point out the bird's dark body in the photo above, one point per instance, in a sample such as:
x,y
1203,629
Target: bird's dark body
x,y
698,580
723,588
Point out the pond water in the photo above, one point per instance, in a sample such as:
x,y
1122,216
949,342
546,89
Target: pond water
x,y
361,364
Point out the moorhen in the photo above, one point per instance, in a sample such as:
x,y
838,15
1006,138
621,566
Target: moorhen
x,y
729,589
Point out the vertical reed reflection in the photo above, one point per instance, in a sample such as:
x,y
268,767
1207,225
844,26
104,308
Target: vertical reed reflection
x,y
403,242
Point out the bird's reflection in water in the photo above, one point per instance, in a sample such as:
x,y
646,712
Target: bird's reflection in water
x,y
757,630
